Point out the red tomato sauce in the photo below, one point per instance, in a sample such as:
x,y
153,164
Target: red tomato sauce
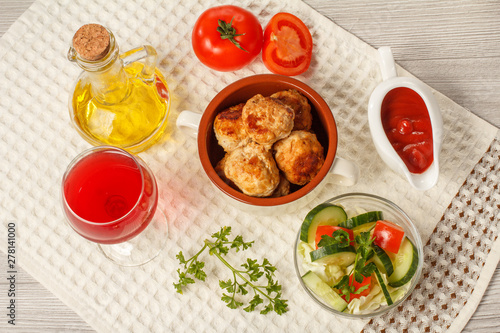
x,y
407,124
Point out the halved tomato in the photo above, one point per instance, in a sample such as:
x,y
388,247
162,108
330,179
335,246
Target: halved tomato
x,y
287,46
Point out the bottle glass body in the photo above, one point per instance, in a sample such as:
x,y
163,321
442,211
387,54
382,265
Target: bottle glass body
x,y
120,100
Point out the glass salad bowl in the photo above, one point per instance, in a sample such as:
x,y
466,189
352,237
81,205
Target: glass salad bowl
x,y
327,273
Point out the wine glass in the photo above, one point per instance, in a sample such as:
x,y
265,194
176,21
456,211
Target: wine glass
x,y
110,197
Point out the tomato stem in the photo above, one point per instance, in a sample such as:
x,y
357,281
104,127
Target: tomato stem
x,y
227,31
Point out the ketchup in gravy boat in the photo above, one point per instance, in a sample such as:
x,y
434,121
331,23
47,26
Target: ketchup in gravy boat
x,y
407,124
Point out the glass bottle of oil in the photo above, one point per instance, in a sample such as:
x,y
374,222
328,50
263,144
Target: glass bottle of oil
x,y
119,99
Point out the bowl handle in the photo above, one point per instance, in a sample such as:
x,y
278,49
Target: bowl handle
x,y
343,172
189,122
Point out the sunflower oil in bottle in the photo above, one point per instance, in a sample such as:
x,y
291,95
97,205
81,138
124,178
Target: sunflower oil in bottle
x,y
120,100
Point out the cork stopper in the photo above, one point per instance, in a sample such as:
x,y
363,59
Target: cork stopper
x,y
91,42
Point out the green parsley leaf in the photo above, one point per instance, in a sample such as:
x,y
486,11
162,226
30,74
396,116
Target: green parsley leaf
x,y
244,279
340,237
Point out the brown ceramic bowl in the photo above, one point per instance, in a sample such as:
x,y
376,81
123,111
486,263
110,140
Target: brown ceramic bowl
x,y
240,91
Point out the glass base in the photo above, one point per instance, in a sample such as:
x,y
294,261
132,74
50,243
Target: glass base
x,y
142,248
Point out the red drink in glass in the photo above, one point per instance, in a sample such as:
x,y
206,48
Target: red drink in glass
x,y
109,196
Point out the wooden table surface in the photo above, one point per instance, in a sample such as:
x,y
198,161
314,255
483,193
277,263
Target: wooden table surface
x,y
453,46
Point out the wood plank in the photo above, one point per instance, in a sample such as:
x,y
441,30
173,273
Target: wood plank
x,y
37,309
471,83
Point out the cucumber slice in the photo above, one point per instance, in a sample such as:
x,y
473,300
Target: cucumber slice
x,y
324,291
334,255
363,228
383,261
405,264
386,293
323,214
358,220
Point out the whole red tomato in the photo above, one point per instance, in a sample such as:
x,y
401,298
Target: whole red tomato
x,y
287,46
227,38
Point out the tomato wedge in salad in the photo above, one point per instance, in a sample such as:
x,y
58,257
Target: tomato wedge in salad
x,y
329,230
366,283
388,236
288,44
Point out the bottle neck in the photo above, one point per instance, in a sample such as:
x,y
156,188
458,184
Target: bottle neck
x,y
108,80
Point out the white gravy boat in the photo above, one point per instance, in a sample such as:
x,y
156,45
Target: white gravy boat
x,y
427,179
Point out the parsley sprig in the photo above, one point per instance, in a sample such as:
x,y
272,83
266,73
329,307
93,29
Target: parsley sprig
x,y
339,238
360,269
242,280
